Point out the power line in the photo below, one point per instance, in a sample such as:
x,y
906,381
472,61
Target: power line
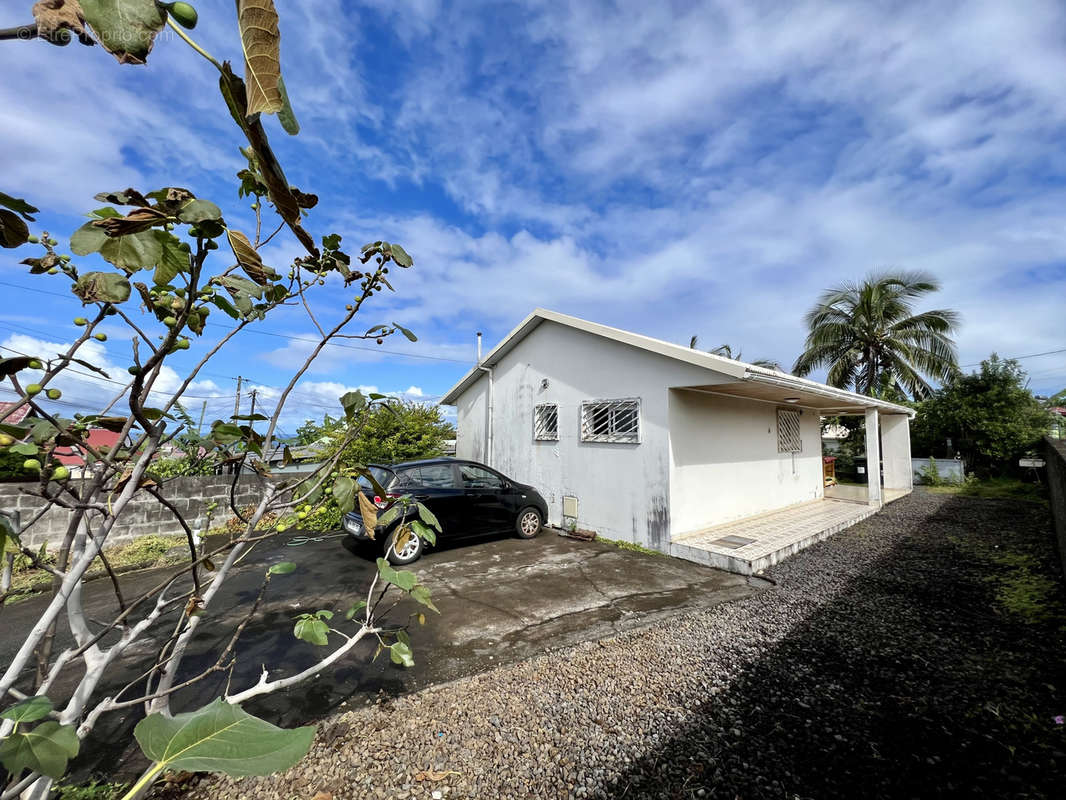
x,y
290,337
1019,358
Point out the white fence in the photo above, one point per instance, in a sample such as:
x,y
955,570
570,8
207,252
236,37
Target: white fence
x,y
949,469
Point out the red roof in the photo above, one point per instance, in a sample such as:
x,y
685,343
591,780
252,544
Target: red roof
x,y
97,436
18,416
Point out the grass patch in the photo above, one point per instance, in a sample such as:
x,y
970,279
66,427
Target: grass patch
x,y
93,790
1023,580
995,489
624,545
147,551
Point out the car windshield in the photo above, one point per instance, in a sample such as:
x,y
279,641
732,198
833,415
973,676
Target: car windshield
x,y
381,475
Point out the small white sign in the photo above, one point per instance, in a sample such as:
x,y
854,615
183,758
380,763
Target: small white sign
x,y
1031,462
862,470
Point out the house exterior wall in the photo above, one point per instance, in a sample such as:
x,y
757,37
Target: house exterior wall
x,y
724,463
623,490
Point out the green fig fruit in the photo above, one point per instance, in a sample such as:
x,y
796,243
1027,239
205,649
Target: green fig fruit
x,y
133,369
32,239
33,388
170,322
100,337
184,14
53,271
6,440
60,474
31,465
80,321
182,344
54,394
34,364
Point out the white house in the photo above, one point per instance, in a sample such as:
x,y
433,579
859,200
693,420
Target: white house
x,y
672,448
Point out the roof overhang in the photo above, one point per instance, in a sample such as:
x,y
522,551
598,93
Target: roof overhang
x,y
749,381
726,366
779,388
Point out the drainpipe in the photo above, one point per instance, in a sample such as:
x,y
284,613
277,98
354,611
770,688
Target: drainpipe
x,y
488,436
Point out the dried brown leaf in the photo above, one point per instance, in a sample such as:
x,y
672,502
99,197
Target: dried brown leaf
x,y
434,775
248,258
261,42
55,15
369,513
140,219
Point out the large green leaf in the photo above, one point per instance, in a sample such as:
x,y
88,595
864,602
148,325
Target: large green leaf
x,y
352,402
134,251
125,28
200,211
403,578
18,205
221,738
87,239
286,116
344,490
173,259
29,710
311,630
428,516
261,42
109,287
46,749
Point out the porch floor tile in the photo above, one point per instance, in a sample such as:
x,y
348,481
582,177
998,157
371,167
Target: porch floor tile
x,y
772,536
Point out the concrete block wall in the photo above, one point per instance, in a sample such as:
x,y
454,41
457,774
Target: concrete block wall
x,y
144,515
1055,456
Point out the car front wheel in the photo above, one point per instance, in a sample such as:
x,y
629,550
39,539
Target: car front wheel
x,y
409,551
529,523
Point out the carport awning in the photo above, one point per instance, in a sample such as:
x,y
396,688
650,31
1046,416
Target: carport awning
x,y
772,386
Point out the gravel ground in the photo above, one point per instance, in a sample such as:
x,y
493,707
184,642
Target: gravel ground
x,y
918,654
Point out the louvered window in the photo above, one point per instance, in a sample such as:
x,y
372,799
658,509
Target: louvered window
x,y
788,431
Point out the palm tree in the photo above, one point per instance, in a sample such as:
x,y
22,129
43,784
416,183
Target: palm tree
x,y
869,337
726,351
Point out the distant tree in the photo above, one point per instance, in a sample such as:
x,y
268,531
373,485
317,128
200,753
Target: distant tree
x,y
396,431
1057,400
310,431
990,417
870,339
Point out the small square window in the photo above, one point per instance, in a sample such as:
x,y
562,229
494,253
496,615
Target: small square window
x,y
546,422
789,439
611,421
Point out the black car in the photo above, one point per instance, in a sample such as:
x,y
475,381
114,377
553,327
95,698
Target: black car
x,y
468,499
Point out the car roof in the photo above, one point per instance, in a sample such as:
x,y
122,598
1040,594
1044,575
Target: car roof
x,y
422,462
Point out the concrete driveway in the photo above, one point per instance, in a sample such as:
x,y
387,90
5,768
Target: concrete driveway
x,y
501,600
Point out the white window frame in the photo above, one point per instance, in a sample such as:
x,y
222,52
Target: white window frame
x,y
615,408
789,433
540,429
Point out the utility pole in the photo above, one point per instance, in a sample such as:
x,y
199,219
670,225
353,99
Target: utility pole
x,y
251,394
203,412
237,398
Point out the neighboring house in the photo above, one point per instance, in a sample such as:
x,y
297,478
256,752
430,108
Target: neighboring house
x,y
74,458
302,457
19,416
649,442
832,437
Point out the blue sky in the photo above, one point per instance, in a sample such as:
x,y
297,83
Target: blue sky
x,y
673,169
